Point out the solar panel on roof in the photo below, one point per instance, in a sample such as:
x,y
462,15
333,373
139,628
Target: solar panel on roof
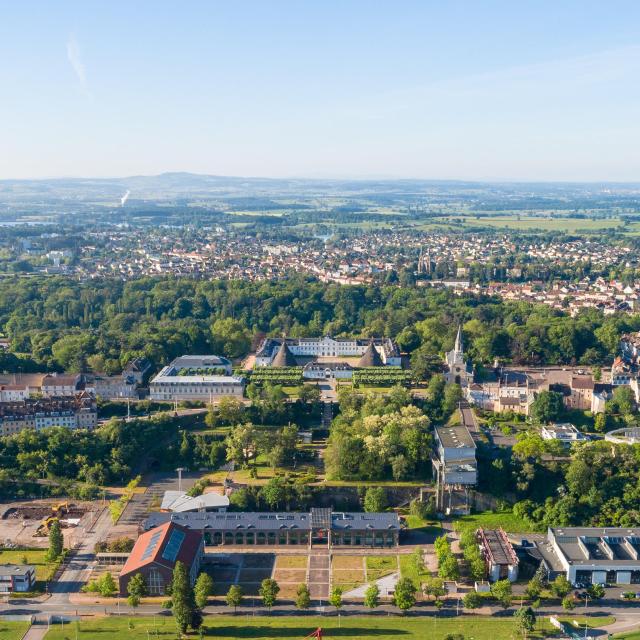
x,y
172,549
151,547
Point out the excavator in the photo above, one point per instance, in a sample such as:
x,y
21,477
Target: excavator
x,y
57,511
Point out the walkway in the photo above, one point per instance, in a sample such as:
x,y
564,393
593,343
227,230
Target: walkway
x,y
319,573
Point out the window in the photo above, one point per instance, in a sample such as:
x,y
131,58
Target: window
x,y
156,583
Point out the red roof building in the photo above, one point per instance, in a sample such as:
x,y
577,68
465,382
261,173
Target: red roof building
x,y
155,555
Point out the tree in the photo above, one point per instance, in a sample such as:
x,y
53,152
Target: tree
x,y
472,600
241,443
234,596
525,619
183,605
600,422
547,407
434,587
404,596
560,587
137,589
595,591
56,541
534,588
303,597
107,585
448,568
501,591
622,401
375,500
372,596
568,603
269,590
335,597
203,589
274,492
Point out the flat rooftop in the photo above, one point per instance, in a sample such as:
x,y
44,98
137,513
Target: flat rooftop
x,y
457,437
259,521
594,546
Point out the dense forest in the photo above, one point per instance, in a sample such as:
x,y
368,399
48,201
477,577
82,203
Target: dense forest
x,y
61,324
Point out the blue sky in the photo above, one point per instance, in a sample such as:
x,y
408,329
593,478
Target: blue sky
x,y
512,90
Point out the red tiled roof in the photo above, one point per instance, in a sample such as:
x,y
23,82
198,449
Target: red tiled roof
x,y
150,548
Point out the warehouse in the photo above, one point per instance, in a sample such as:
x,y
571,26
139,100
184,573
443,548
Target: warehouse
x,y
318,527
589,555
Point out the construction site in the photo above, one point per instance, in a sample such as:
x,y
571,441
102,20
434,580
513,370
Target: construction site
x,y
27,524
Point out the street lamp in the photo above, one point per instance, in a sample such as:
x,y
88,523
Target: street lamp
x,y
180,470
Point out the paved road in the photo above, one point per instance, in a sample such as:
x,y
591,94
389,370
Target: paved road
x,y
157,483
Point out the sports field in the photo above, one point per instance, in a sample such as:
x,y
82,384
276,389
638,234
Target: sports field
x,y
291,628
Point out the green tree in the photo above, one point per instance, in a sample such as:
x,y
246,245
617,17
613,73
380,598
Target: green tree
x,y
568,603
375,500
404,596
107,585
525,620
448,568
600,422
56,541
303,597
183,605
234,596
434,587
269,590
501,591
547,407
560,587
137,589
472,600
203,589
534,588
372,596
335,597
242,443
596,591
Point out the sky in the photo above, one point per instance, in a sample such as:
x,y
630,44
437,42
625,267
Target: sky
x,y
480,90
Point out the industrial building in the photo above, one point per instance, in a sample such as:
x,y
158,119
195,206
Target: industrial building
x,y
454,467
318,527
498,553
156,552
587,555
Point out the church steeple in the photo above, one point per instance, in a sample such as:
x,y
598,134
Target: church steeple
x,y
458,345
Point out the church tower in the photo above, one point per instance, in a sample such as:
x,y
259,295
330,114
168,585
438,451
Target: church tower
x,y
457,369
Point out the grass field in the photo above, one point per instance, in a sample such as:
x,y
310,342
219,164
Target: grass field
x,y
491,520
292,628
408,570
291,562
33,556
12,630
526,223
380,566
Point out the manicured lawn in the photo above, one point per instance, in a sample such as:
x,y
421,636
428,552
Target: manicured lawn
x,y
408,570
593,622
291,628
491,520
33,556
12,630
380,566
415,522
